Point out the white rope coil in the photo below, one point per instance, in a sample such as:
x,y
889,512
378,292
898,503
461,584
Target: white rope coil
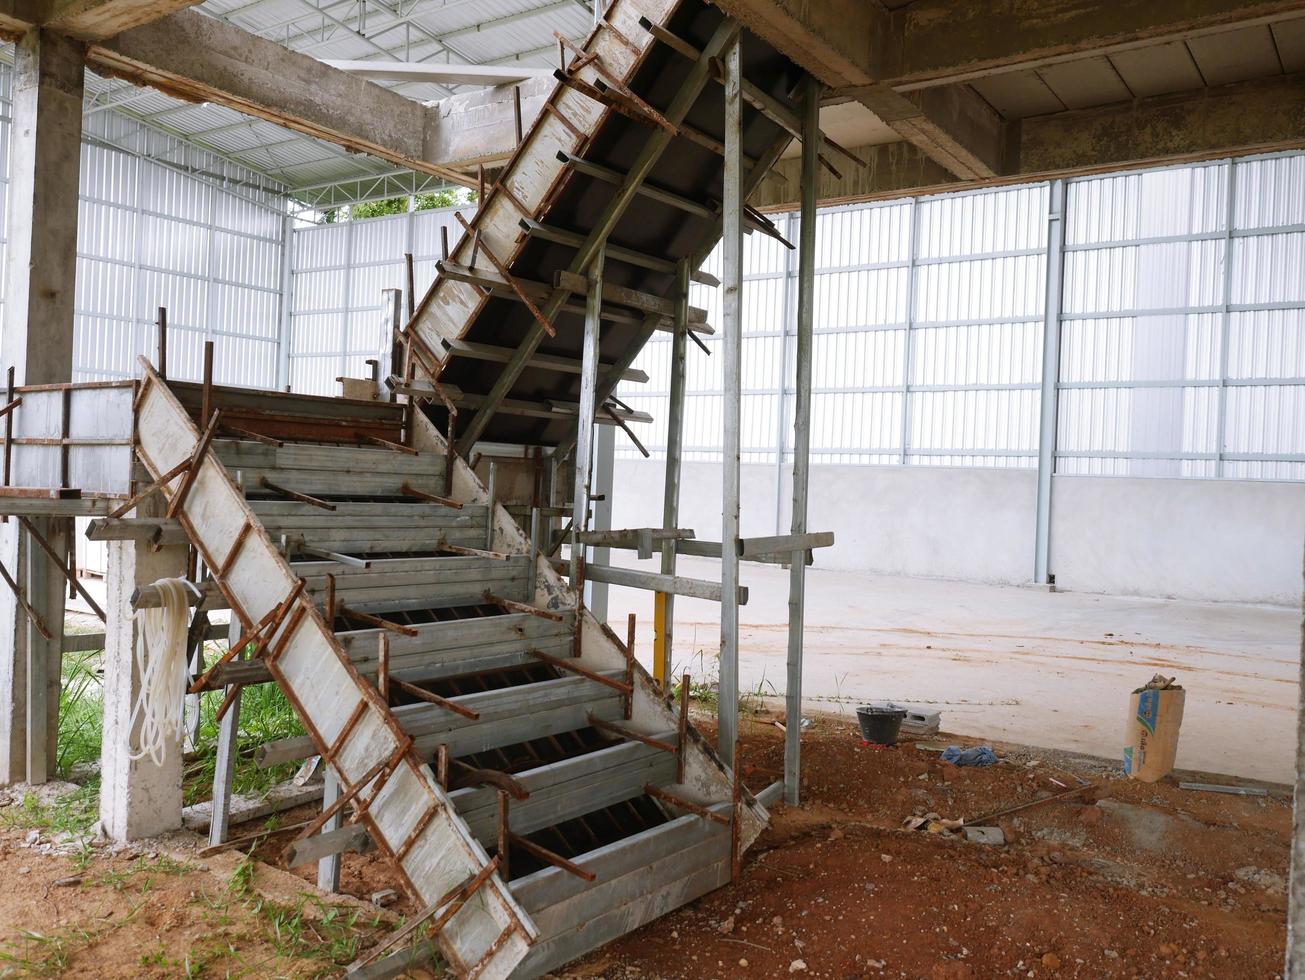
x,y
161,667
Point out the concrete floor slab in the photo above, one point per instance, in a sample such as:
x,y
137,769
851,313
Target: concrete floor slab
x,y
1010,663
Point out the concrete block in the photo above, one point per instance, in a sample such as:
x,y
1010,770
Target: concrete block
x,y
984,835
921,721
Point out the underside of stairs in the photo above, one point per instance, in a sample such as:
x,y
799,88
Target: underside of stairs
x,y
527,780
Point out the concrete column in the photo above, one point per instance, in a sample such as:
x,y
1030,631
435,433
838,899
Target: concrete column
x,y
137,798
37,335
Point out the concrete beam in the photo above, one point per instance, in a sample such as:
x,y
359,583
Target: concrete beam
x,y
94,20
478,127
834,41
201,59
941,42
1249,117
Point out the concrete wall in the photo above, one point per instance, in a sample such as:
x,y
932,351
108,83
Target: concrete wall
x,y
1194,539
1226,541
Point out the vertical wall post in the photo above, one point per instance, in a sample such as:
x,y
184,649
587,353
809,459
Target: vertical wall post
x,y
806,306
1050,379
732,344
287,301
391,323
664,602
584,443
44,584
1225,317
37,342
912,272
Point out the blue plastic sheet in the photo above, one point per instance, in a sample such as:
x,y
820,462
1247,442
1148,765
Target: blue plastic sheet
x,y
978,755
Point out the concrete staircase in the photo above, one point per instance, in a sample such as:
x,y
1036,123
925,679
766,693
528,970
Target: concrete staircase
x,y
526,779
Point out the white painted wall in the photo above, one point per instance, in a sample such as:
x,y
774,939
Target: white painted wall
x,y
1209,540
1219,540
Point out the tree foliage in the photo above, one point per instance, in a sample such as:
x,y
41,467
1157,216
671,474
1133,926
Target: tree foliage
x,y
445,198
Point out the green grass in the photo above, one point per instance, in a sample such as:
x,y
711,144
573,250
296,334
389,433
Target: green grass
x,y
265,715
42,954
331,937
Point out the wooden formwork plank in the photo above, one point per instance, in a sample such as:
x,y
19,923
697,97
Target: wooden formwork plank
x,y
324,688
449,649
569,794
507,716
546,887
535,171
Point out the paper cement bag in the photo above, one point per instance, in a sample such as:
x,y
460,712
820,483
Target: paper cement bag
x,y
1151,741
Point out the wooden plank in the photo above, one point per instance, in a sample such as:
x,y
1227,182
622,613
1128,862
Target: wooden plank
x,y
317,677
507,716
569,792
313,849
623,295
656,582
612,862
545,362
609,920
574,239
610,176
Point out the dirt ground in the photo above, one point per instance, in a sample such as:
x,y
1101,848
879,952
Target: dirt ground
x,y
90,912
1126,880
1129,880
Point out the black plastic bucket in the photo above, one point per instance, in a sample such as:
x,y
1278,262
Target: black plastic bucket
x,y
880,723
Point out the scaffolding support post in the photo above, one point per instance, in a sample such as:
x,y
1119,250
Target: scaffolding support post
x,y
801,436
584,443
664,602
732,344
328,868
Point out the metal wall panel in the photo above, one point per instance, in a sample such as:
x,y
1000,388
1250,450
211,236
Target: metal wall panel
x,y
339,273
1182,326
163,223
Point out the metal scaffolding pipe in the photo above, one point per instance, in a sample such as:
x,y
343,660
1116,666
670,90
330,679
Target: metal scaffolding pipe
x,y
801,437
732,343
664,603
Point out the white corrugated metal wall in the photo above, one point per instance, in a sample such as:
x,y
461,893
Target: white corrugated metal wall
x,y
162,223
1182,326
338,272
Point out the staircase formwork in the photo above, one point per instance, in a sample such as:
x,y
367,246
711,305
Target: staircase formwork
x,y
532,786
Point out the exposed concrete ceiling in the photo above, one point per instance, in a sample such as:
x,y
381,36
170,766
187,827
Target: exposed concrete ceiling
x,y
850,124
949,90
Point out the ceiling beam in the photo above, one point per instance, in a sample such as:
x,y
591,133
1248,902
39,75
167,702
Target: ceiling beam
x,y
941,42
94,20
200,59
439,73
834,41
1249,117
